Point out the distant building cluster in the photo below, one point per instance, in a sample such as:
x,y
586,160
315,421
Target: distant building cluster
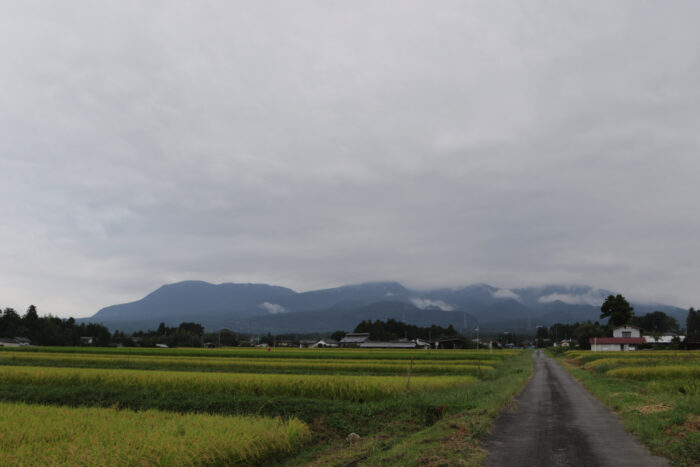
x,y
627,338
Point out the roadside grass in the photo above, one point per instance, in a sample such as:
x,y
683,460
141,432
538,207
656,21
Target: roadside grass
x,y
437,435
661,410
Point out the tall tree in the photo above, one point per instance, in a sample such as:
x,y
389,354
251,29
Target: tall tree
x,y
692,325
656,323
618,309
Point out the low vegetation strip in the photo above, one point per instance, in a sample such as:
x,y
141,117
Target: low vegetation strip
x,y
657,372
582,357
45,435
360,366
340,387
657,398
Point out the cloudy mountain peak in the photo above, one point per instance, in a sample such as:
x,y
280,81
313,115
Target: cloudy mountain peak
x,y
267,308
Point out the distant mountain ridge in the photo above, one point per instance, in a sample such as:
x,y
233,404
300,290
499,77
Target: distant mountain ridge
x,y
265,308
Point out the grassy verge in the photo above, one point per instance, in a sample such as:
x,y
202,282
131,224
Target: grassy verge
x,y
447,431
664,415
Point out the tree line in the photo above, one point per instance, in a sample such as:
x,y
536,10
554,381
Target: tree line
x,y
50,330
392,330
53,331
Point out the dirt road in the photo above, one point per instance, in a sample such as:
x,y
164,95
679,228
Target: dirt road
x,y
556,422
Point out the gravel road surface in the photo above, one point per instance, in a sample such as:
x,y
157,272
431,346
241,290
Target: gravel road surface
x,y
556,422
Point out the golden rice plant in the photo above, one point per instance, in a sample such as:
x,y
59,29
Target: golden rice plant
x,y
465,367
341,387
45,435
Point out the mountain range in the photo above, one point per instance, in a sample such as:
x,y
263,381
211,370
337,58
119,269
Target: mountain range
x,y
262,308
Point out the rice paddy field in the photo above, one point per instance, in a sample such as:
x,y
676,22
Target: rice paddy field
x,y
656,393
243,406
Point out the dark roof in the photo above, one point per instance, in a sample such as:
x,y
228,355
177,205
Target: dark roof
x,y
617,340
388,345
327,340
355,338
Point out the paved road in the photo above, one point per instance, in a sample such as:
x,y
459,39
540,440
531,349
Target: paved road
x,y
556,422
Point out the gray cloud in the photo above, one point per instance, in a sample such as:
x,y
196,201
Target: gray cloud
x,y
273,308
593,297
423,303
506,293
312,144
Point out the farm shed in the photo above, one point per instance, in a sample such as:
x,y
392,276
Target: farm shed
x,y
325,342
450,343
665,339
354,339
14,342
414,344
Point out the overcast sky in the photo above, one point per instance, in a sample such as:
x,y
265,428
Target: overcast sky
x,y
318,143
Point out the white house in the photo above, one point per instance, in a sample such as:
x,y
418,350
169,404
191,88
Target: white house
x,y
626,331
624,338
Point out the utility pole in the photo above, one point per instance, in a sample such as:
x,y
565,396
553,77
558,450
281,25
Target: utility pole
x,y
477,338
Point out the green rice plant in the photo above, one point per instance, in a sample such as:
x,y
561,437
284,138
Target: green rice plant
x,y
588,358
657,373
604,364
686,387
340,387
45,435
